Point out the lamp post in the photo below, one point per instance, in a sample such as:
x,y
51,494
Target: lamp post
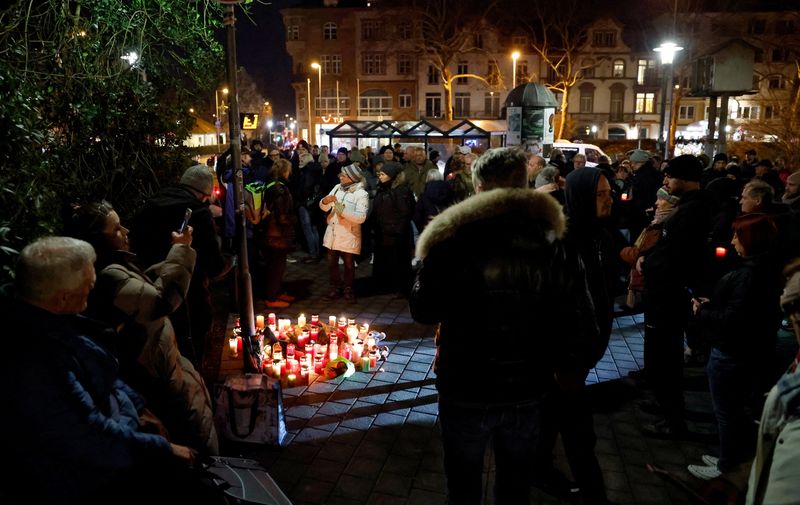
x,y
308,109
666,52
514,58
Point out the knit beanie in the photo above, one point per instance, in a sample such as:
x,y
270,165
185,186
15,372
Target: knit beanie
x,y
756,232
353,172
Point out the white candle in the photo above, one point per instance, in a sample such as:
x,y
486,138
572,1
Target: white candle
x,y
233,345
301,320
260,322
332,320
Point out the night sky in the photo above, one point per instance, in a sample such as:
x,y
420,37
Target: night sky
x,y
261,50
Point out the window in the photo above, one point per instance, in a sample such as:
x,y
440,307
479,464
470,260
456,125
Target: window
x,y
463,68
433,75
373,64
748,112
331,64
604,38
522,71
493,73
772,111
374,102
433,104
617,102
405,30
405,64
587,99
477,41
645,103
302,105
646,72
757,26
293,32
491,104
780,55
326,104
329,31
758,55
371,29
461,105
588,68
686,112
776,82
756,81
618,68
784,26
405,99
519,41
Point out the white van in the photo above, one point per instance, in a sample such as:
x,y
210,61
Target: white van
x,y
570,149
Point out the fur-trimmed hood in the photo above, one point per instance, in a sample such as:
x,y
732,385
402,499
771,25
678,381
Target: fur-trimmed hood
x,y
537,206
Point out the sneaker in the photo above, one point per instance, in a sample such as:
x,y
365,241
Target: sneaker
x,y
312,259
704,472
556,484
285,297
290,259
710,460
276,304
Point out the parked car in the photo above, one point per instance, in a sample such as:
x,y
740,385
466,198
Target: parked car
x,y
570,149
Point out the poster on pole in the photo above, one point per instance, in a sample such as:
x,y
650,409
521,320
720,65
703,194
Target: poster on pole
x,y
514,133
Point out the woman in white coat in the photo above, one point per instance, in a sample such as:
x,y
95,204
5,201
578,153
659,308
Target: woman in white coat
x,y
347,206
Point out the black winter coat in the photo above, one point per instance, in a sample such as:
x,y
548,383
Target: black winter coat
x,y
512,305
437,196
642,196
392,210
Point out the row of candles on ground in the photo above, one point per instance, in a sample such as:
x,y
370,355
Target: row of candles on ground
x,y
308,358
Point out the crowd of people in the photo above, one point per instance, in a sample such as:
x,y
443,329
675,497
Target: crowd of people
x,y
109,391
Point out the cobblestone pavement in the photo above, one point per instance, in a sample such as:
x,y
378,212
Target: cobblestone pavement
x,y
373,438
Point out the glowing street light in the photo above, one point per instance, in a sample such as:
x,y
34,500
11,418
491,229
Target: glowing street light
x,y
514,58
666,52
316,66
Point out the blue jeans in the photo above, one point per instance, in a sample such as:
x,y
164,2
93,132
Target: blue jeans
x,y
466,432
310,232
732,382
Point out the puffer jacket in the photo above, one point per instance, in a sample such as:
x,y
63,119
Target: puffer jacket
x,y
149,357
512,305
344,226
773,477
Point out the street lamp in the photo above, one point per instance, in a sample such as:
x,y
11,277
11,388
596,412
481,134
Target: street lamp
x,y
666,51
216,100
514,58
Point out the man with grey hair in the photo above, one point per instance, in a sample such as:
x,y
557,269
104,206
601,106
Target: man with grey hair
x,y
578,161
515,271
151,240
75,433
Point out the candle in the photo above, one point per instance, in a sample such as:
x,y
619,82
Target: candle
x,y
284,325
365,364
233,345
276,367
373,359
293,366
314,333
333,351
370,342
277,351
363,330
309,349
333,339
291,380
301,320
304,374
239,345
272,319
289,351
332,320
347,352
302,339
318,364
721,252
624,197
342,322
314,319
352,333
260,322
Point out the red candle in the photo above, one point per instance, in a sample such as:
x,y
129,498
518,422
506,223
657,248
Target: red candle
x,y
721,252
239,344
624,197
314,319
289,351
272,319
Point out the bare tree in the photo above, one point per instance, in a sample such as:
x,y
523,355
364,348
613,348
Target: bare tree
x,y
558,34
445,29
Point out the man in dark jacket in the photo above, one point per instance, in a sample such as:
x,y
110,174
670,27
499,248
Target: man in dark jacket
x,y
151,240
672,274
514,310
642,194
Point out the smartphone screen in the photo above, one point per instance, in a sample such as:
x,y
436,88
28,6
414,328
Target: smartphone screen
x,y
185,222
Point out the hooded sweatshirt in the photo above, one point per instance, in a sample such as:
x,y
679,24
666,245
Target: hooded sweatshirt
x,y
593,240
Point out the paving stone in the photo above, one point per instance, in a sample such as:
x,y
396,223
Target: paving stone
x,y
373,450
333,409
364,467
302,411
357,422
385,499
393,484
299,452
325,470
410,375
387,377
395,357
430,481
425,497
356,489
312,436
337,452
417,366
421,418
311,491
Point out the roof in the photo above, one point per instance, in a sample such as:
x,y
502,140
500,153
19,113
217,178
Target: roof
x,y
531,94
202,127
461,128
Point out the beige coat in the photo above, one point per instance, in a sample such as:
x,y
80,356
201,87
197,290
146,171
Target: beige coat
x,y
174,389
